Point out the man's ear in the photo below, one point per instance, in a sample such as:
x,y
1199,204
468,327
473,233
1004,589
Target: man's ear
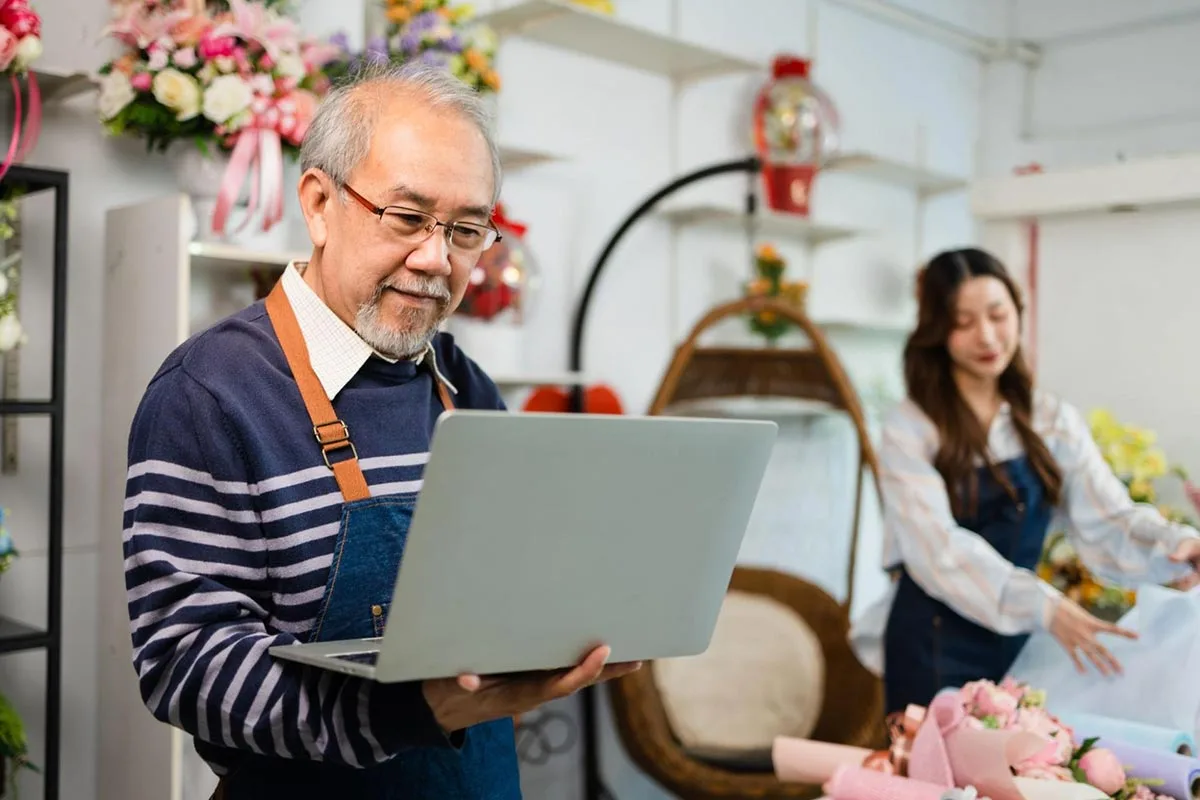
x,y
316,193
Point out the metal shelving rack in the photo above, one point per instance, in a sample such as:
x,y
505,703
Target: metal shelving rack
x,y
16,637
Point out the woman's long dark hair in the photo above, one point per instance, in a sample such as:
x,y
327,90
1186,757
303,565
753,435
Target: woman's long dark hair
x,y
928,373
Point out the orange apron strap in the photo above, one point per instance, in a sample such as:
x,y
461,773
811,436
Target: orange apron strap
x,y
443,392
331,433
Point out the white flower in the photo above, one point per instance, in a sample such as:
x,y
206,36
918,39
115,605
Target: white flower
x,y
28,51
291,65
225,97
158,59
11,333
3,284
225,64
207,72
482,38
115,93
178,92
262,85
185,58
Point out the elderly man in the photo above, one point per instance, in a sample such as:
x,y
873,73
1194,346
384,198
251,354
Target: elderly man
x,y
275,461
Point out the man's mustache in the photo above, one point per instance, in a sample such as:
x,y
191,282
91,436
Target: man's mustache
x,y
432,288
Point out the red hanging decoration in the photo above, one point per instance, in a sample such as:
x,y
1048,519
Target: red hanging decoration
x,y
795,132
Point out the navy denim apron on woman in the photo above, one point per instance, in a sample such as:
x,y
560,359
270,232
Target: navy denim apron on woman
x,y
366,557
927,645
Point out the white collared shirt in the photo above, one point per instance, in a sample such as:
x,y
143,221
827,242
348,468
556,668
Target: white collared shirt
x,y
335,351
1120,541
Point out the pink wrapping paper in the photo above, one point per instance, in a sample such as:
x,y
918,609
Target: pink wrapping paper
x,y
949,752
812,762
857,783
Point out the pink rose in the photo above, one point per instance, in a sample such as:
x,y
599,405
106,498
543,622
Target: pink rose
x,y
8,48
20,20
211,47
1103,770
142,81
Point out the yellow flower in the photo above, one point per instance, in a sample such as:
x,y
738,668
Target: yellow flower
x,y
1150,465
1141,491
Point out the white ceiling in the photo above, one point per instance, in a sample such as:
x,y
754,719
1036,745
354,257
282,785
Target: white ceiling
x,y
1048,22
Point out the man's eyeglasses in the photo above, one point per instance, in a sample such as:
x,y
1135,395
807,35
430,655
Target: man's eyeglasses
x,y
415,226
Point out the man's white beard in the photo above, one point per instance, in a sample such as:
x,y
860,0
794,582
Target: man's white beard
x,y
415,331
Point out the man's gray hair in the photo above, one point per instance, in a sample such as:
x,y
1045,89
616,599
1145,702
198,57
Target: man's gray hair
x,y
340,134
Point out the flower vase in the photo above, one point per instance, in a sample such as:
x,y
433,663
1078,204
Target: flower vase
x,y
497,347
200,177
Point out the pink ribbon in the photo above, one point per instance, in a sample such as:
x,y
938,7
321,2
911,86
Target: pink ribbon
x,y
949,752
258,154
19,147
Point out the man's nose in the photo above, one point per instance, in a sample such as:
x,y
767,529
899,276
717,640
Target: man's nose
x,y
431,256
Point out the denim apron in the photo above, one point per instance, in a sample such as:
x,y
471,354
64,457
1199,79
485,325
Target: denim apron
x,y
367,553
927,645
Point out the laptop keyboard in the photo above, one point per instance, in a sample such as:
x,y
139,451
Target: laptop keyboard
x,y
360,658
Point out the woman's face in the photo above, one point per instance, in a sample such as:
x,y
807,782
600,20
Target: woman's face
x,y
985,331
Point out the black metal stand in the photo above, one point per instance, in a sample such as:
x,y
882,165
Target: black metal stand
x,y
15,636
594,788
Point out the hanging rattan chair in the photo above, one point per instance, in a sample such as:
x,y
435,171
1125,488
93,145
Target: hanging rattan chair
x,y
852,704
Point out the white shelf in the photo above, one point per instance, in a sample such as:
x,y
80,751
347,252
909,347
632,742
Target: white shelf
x,y
925,181
1171,181
216,256
591,33
56,86
769,223
891,328
539,379
514,158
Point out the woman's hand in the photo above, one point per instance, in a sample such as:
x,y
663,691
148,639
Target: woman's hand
x,y
1188,552
1076,629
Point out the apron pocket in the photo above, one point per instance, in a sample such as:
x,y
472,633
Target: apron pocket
x,y
379,613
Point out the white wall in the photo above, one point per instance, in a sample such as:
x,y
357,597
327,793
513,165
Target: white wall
x,y
1115,83
900,96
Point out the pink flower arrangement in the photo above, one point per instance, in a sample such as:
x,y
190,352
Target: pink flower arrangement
x,y
1015,706
20,36
206,77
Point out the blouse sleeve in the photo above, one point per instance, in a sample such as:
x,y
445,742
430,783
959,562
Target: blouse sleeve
x,y
951,563
1121,541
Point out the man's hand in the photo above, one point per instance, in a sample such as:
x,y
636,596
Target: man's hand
x,y
1076,629
1188,552
468,700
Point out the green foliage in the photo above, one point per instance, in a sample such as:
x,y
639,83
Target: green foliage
x,y
145,117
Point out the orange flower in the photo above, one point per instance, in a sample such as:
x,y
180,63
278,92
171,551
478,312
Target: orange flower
x,y
476,60
445,12
759,286
491,79
767,252
398,15
125,64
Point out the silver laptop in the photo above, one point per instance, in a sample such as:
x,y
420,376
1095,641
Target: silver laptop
x,y
537,536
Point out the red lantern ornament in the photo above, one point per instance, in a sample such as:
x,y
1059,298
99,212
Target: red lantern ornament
x,y
795,132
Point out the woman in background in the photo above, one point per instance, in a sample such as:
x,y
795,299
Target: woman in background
x,y
974,465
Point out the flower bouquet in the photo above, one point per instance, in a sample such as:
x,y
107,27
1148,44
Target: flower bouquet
x,y
1135,459
435,32
20,46
242,85
769,267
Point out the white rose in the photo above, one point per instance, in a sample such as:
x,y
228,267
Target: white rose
x,y
291,65
11,333
28,51
225,64
3,284
178,92
115,93
225,97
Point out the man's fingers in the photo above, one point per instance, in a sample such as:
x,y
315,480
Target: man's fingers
x,y
588,671
470,683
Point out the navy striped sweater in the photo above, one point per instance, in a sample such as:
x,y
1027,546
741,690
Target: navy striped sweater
x,y
230,521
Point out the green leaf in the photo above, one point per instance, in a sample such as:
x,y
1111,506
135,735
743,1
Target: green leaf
x,y
1080,777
